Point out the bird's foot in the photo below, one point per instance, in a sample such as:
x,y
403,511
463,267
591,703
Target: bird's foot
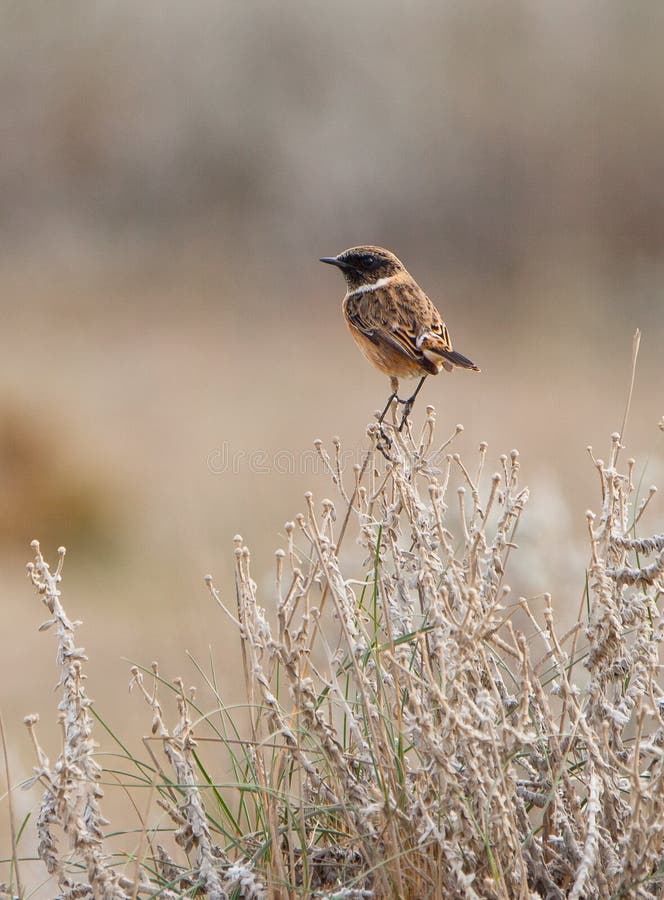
x,y
384,442
408,404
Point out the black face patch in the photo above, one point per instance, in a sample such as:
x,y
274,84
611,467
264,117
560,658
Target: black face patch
x,y
365,262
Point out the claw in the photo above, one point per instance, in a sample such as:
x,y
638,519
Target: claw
x,y
384,446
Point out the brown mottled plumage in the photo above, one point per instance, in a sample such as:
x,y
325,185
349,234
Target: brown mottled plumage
x,y
393,321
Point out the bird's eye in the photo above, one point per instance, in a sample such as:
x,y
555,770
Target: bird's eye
x,y
368,260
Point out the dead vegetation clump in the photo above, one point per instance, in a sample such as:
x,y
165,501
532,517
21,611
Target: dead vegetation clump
x,y
411,728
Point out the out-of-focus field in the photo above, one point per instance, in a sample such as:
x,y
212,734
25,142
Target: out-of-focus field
x,y
170,346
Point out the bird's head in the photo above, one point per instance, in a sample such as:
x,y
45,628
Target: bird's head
x,y
365,265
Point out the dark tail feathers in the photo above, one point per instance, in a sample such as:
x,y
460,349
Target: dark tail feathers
x,y
458,359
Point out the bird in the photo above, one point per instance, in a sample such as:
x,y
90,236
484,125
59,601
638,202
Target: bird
x,y
393,322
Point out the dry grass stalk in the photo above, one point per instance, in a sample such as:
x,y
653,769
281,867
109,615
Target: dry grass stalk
x,y
71,786
404,741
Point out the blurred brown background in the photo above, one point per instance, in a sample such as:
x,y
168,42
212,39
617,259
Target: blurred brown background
x,y
170,174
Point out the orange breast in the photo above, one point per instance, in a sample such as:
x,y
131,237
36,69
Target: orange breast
x,y
385,357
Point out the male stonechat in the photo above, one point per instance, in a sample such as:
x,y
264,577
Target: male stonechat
x,y
393,321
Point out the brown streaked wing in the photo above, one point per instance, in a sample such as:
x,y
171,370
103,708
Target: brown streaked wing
x,y
412,314
435,324
398,315
380,322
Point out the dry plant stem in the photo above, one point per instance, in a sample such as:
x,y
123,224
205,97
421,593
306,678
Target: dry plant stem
x,y
349,509
144,842
10,808
72,792
193,832
636,343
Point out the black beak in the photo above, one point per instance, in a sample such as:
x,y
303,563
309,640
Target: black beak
x,y
335,261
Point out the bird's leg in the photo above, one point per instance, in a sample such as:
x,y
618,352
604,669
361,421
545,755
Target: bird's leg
x,y
394,384
408,404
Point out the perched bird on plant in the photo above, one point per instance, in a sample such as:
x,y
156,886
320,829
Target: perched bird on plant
x,y
393,321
